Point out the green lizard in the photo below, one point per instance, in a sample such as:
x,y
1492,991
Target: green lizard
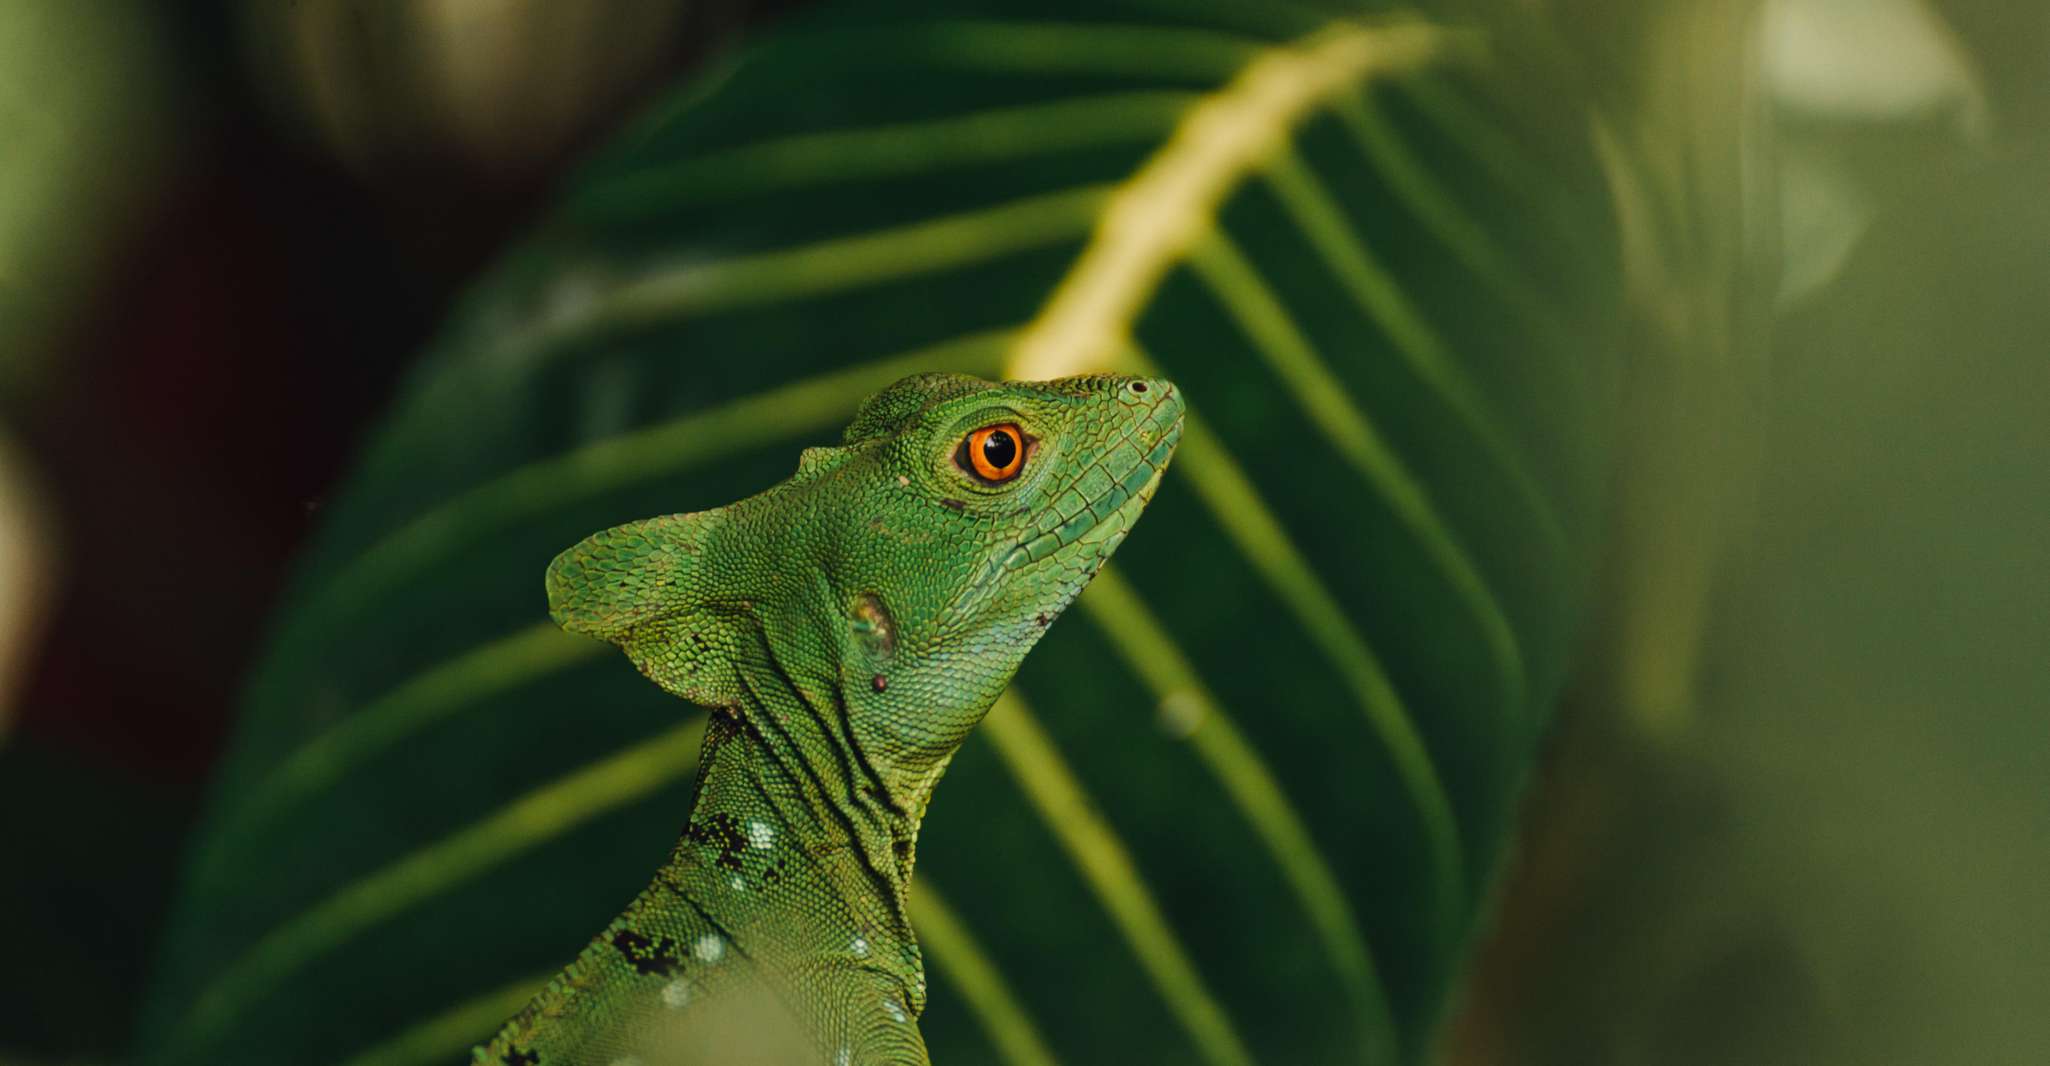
x,y
849,627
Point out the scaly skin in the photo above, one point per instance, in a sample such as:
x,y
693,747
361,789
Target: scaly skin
x,y
849,627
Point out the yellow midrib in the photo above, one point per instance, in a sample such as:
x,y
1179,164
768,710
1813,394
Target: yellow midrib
x,y
1153,218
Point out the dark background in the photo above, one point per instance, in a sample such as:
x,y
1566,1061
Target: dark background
x,y
257,293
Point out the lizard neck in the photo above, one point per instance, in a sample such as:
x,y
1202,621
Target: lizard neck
x,y
792,867
795,844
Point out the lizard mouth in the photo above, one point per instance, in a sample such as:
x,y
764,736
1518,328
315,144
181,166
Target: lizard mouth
x,y
1088,534
1109,515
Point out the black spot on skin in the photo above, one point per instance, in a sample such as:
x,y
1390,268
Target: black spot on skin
x,y
879,682
952,504
519,1056
722,831
657,957
1043,620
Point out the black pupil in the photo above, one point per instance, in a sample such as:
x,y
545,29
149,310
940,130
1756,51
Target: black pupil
x,y
999,449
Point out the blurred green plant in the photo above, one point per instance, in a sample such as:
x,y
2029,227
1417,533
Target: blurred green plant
x,y
1250,804
83,106
481,90
1844,860
1821,840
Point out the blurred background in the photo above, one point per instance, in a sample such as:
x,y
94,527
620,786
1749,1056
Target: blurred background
x,y
1788,802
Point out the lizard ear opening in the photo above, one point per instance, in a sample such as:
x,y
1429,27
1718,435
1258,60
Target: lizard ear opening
x,y
637,586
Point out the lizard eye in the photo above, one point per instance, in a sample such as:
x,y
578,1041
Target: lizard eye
x,y
993,453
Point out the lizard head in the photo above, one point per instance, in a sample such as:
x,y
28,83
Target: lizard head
x,y
904,573
1003,500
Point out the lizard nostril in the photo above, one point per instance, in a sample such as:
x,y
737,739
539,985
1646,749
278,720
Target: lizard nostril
x,y
1138,386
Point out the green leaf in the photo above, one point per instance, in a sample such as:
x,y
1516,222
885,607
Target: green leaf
x,y
1247,806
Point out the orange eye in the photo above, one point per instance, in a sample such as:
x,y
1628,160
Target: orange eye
x,y
994,453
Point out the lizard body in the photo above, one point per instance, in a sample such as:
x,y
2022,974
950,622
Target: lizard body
x,y
848,627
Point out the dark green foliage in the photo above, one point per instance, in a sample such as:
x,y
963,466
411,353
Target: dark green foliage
x,y
700,309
